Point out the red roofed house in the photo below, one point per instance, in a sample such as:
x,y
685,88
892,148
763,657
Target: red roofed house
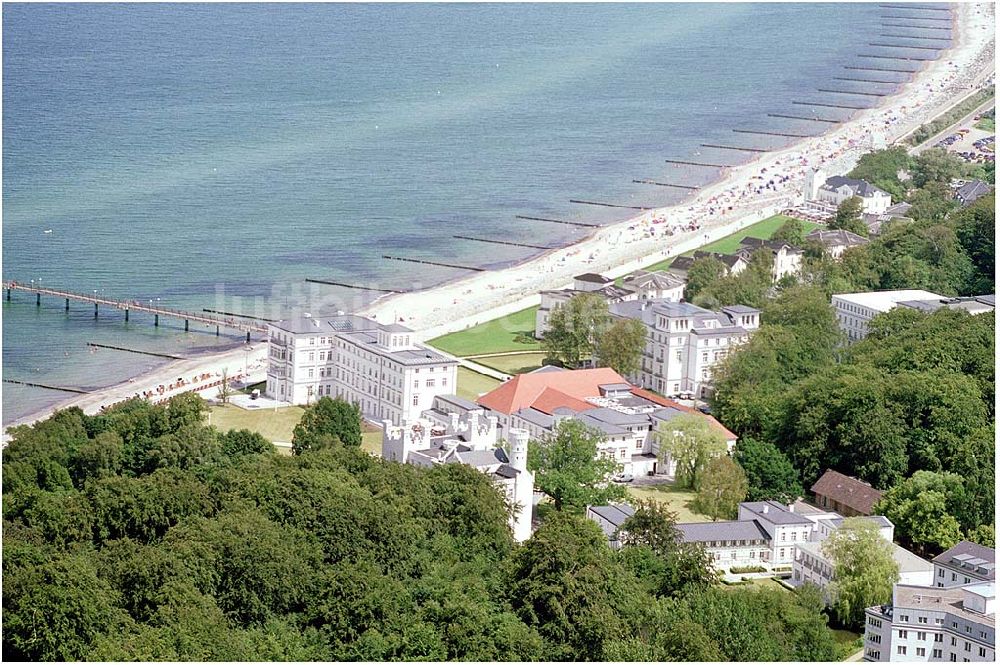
x,y
601,399
848,496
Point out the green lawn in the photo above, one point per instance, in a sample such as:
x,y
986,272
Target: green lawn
x,y
848,642
678,500
272,425
494,336
515,364
762,229
472,384
371,439
987,124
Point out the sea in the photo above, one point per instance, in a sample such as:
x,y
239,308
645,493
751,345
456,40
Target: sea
x,y
216,156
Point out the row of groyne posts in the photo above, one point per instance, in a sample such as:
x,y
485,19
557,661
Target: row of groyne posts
x,y
933,23
230,322
933,26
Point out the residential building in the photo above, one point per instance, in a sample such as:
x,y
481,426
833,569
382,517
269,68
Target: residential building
x,y
380,367
647,285
969,192
933,624
845,495
786,258
897,211
684,342
855,310
611,518
835,243
735,263
627,417
438,437
837,189
965,563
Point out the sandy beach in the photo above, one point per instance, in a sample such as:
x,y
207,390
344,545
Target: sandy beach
x,y
743,196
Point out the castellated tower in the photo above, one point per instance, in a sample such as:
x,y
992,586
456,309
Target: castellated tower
x,y
524,485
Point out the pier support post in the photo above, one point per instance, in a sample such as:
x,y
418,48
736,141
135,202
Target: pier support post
x,y
126,316
38,300
185,325
95,310
67,304
248,337
156,319
8,295
216,331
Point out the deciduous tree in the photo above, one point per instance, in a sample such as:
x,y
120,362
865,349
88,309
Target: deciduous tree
x,y
569,470
848,217
690,441
721,487
864,569
575,328
620,347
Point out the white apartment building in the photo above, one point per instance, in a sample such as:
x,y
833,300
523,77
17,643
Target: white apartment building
x,y
380,367
965,563
933,624
446,437
684,342
837,241
837,189
786,258
855,310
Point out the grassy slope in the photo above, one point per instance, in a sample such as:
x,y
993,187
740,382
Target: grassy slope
x,y
516,364
472,384
987,124
494,336
762,229
678,500
272,425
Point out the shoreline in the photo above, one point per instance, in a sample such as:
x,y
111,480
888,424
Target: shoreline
x,y
622,247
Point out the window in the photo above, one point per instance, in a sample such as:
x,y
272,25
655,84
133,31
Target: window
x,y
905,618
921,619
903,634
936,653
968,646
982,652
430,383
968,629
938,637
953,578
953,658
921,651
953,642
940,572
416,400
921,635
901,650
310,373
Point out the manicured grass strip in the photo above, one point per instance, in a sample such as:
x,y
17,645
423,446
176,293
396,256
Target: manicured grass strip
x,y
987,124
494,336
676,499
272,425
520,363
762,229
472,384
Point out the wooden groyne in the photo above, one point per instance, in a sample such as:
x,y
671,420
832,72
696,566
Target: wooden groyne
x,y
434,263
138,351
663,184
608,205
733,147
853,92
919,48
916,18
916,7
854,78
47,386
832,106
895,57
503,242
936,39
705,164
859,68
916,27
781,134
803,117
327,282
557,221
242,316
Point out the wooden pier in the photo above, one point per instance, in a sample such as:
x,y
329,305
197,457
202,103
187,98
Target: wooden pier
x,y
434,263
138,351
733,147
802,117
504,242
853,92
310,280
242,316
608,205
781,134
705,164
664,184
557,221
832,106
47,386
137,306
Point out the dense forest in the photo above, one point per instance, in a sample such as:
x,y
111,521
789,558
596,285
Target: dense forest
x,y
142,534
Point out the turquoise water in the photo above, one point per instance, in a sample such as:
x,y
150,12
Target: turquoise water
x,y
217,155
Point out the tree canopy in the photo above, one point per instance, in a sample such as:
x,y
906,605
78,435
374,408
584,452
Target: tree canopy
x,y
569,470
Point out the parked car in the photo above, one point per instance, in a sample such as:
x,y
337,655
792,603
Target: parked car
x,y
623,477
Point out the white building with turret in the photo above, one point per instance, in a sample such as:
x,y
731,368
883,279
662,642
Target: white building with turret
x,y
441,435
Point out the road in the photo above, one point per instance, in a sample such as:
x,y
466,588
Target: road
x,y
966,121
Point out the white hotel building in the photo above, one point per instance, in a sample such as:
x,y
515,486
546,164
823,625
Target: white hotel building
x,y
856,310
380,367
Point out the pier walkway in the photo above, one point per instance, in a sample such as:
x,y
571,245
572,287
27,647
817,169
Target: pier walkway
x,y
127,306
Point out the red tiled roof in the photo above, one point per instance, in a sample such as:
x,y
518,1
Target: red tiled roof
x,y
847,491
572,386
663,401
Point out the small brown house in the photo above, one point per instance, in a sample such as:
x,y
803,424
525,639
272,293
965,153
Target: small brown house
x,y
845,495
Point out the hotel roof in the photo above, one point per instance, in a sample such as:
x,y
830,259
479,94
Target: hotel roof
x,y
325,325
570,386
943,599
421,355
971,557
774,512
883,301
704,532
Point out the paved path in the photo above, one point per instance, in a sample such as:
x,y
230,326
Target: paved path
x,y
504,353
483,369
